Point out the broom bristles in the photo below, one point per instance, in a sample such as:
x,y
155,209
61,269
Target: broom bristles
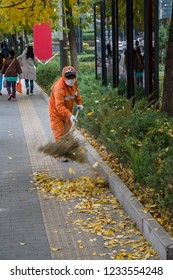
x,y
67,146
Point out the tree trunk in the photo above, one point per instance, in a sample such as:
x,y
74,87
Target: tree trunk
x,y
10,44
26,37
65,49
167,99
22,44
15,41
72,39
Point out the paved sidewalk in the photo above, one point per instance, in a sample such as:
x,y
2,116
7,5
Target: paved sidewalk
x,y
29,224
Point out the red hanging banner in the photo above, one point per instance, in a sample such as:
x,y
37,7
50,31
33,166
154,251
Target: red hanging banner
x,y
42,41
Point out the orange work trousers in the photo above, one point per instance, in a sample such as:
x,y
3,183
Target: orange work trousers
x,y
59,127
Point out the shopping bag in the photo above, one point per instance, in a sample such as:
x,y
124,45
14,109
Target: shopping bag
x,y
4,82
19,87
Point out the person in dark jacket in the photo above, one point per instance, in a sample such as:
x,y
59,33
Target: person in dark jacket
x,y
138,67
137,48
11,69
109,51
5,50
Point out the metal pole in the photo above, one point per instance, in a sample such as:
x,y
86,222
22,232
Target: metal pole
x,y
103,47
156,50
81,38
61,42
148,46
129,53
95,39
79,35
115,43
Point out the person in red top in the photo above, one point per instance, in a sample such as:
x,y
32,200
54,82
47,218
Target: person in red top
x,y
64,92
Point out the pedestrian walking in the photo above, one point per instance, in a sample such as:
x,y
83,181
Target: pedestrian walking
x,y
64,92
109,52
138,67
137,47
3,43
123,73
11,69
5,49
28,63
1,63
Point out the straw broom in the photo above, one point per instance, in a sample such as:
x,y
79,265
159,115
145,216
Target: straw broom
x,y
68,146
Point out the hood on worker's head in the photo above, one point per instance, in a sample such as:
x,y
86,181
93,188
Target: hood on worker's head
x,y
68,70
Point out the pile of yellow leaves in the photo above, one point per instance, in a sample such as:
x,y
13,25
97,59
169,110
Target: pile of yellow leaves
x,y
102,215
144,194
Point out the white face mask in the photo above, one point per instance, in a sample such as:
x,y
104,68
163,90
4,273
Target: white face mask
x,y
70,83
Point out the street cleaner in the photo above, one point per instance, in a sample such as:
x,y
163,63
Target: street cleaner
x,y
64,93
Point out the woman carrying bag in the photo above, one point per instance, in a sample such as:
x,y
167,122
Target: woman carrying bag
x,y
11,69
28,63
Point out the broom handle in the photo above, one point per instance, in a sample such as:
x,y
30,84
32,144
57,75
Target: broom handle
x,y
76,119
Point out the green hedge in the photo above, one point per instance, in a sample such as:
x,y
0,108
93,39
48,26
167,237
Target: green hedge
x,y
88,31
88,36
86,57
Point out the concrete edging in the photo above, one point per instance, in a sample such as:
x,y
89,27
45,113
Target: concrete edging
x,y
148,226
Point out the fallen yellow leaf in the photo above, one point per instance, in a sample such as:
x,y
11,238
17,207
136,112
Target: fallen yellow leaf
x,y
95,164
71,171
108,232
55,249
119,236
82,151
92,240
101,255
91,113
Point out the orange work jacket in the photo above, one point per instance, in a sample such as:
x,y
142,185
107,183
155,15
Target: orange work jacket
x,y
62,98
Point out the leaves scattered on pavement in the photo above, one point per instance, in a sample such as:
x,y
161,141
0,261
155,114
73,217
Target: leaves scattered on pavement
x,y
101,216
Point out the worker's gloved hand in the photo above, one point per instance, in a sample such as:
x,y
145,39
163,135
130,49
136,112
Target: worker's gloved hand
x,y
79,107
73,119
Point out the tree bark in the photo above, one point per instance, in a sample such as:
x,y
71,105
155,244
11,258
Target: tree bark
x,y
22,44
167,99
12,42
65,50
72,39
26,37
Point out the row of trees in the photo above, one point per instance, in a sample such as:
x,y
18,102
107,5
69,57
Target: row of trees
x,y
19,15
